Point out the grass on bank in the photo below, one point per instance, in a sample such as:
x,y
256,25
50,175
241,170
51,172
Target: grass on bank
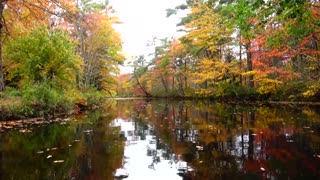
x,y
41,100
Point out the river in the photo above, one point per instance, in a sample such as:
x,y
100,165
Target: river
x,y
163,139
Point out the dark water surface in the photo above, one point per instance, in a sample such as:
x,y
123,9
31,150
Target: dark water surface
x,y
159,139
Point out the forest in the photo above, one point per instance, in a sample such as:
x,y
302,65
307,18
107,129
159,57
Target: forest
x,y
235,50
59,56
235,96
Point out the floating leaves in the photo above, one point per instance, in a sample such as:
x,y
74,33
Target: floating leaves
x,y
58,161
88,131
54,148
25,126
25,131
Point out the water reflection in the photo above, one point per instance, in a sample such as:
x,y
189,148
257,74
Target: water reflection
x,y
219,141
160,139
145,157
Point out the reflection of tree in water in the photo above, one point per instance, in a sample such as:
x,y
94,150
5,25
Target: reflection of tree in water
x,y
100,150
237,141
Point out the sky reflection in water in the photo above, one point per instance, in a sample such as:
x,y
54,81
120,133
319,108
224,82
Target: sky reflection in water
x,y
142,160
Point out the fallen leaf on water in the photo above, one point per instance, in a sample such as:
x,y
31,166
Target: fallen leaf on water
x,y
49,156
25,131
199,148
54,148
58,161
87,131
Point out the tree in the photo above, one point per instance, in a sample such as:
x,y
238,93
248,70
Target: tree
x,y
243,16
98,43
207,33
125,85
139,69
34,9
102,57
208,37
42,55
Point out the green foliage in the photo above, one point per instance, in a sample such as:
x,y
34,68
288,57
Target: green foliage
x,y
189,92
171,12
164,62
42,55
292,91
93,98
44,100
41,99
92,6
139,66
13,92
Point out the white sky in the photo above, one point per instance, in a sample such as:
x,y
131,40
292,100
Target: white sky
x,y
143,19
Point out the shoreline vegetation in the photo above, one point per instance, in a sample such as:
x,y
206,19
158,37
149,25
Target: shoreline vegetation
x,y
47,105
56,58
15,108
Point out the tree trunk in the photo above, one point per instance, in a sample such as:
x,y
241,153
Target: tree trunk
x,y
185,71
142,88
249,64
172,88
180,85
240,59
185,76
164,83
2,86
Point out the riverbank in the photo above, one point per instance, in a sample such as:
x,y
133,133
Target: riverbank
x,y
14,105
14,109
229,100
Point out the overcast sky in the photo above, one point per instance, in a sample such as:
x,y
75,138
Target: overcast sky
x,y
143,19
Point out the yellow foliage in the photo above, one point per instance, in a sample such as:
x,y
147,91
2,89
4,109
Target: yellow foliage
x,y
312,90
268,86
206,30
310,113
211,70
249,73
204,92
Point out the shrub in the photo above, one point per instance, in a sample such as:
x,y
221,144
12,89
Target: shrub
x,y
13,92
93,97
41,99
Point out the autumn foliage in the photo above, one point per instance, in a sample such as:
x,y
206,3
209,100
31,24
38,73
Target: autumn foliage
x,y
245,50
69,48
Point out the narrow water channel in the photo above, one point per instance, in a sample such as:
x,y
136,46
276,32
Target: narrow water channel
x,y
160,139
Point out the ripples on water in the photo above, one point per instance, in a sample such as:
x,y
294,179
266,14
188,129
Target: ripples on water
x,y
158,139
